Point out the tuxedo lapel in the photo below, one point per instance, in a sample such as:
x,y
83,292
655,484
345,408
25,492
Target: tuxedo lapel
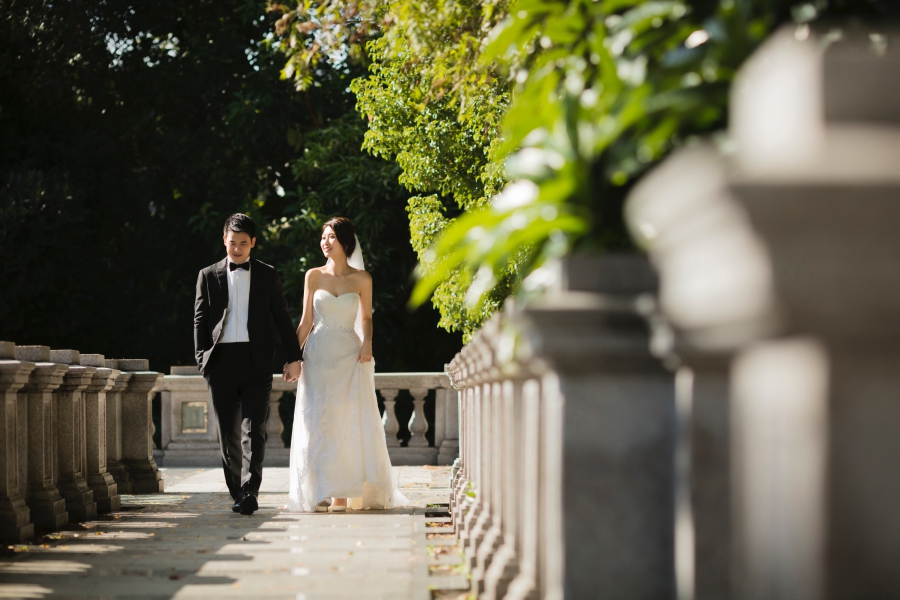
x,y
257,285
222,278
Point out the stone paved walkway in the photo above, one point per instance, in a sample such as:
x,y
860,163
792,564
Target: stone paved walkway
x,y
187,543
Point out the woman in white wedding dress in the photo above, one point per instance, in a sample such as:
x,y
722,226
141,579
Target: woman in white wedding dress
x,y
338,453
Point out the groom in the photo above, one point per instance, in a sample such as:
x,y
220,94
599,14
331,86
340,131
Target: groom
x,y
237,298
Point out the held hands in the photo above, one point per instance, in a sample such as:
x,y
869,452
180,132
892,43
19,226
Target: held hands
x,y
365,353
292,371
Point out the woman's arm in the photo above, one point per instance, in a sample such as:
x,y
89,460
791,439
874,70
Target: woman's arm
x,y
365,299
306,321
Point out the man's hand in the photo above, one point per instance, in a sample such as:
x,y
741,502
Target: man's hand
x,y
292,371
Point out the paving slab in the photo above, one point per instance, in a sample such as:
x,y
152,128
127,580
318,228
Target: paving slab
x,y
187,543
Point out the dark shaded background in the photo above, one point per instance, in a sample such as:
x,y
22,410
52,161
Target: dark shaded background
x,y
129,131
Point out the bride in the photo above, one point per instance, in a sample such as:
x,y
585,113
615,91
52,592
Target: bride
x,y
338,451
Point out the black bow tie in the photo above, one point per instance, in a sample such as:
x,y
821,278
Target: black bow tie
x,y
244,265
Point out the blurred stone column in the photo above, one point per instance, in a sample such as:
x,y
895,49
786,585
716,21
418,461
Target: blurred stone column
x,y
114,464
106,493
15,518
816,123
715,297
48,508
137,426
70,432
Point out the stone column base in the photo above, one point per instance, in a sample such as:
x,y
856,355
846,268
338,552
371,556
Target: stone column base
x,y
145,476
15,520
48,508
106,492
79,500
412,456
448,452
123,480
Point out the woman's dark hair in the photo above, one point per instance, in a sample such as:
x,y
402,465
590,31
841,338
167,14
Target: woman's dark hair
x,y
343,230
240,223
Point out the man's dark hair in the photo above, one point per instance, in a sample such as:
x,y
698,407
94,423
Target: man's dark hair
x,y
343,231
240,223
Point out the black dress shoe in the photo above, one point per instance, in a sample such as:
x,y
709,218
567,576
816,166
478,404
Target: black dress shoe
x,y
236,507
248,504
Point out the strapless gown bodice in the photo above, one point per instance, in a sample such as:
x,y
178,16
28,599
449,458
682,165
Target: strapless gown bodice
x,y
335,311
337,444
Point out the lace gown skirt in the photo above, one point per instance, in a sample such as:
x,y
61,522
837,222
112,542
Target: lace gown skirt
x,y
337,446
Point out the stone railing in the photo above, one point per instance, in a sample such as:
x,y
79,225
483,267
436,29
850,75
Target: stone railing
x,y
189,435
77,433
733,433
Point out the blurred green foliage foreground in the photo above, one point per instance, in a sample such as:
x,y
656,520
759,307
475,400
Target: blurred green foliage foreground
x,y
570,101
129,131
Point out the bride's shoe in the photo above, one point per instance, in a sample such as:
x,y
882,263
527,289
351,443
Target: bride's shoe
x,y
339,507
323,505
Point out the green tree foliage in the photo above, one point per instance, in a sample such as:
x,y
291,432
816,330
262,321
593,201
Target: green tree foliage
x,y
128,132
432,105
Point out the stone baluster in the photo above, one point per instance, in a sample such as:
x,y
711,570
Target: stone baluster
x,y
481,525
15,517
474,500
70,432
48,508
418,425
274,426
493,535
526,583
114,464
137,426
106,493
504,568
389,418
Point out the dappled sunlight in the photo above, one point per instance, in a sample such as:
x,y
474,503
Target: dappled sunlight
x,y
93,535
72,549
130,524
148,515
23,590
43,567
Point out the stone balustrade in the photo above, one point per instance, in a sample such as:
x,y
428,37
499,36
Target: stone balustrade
x,y
189,436
733,433
76,434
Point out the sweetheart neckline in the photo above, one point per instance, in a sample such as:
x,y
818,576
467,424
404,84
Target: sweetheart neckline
x,y
332,295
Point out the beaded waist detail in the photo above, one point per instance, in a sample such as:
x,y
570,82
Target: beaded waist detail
x,y
331,327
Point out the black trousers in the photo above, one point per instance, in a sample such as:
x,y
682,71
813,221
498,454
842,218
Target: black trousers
x,y
240,394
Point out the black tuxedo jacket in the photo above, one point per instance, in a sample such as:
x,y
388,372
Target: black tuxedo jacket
x,y
266,302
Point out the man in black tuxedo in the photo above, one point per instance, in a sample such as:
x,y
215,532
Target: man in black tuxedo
x,y
236,300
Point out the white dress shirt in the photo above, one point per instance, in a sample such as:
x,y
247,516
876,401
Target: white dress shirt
x,y
235,329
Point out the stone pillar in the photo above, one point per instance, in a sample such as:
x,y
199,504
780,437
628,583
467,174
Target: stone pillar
x,y
48,508
526,584
274,426
114,466
816,125
447,405
71,436
106,493
15,518
137,426
189,433
607,443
